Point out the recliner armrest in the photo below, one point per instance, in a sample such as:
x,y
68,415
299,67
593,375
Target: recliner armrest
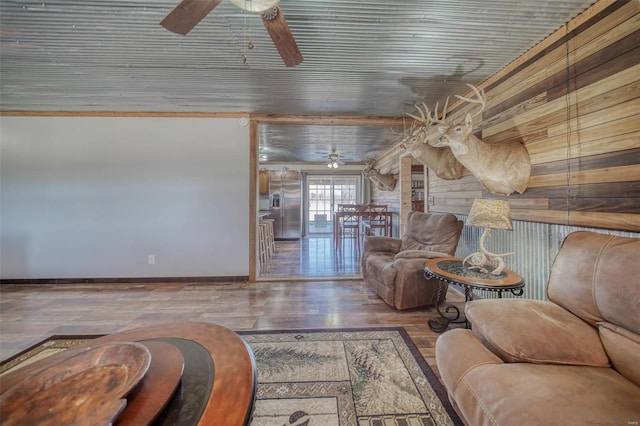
x,y
470,353
379,243
419,254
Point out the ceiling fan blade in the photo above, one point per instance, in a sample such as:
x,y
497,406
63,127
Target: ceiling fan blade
x,y
187,14
277,27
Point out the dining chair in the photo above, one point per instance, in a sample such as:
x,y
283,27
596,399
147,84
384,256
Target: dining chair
x,y
349,223
375,222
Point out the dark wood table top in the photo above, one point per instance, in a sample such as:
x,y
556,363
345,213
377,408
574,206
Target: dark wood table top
x,y
452,270
219,380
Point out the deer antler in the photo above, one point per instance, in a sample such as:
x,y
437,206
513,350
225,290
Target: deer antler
x,y
482,99
427,117
444,111
404,126
422,118
369,162
406,134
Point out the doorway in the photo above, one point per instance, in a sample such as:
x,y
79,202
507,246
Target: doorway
x,y
324,194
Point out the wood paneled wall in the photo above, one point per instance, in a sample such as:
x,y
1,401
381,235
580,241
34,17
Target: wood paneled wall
x,y
391,198
574,102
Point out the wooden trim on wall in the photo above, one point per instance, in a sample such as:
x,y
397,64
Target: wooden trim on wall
x,y
404,181
253,199
123,114
123,280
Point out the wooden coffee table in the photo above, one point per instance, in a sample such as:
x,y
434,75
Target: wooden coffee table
x,y
218,385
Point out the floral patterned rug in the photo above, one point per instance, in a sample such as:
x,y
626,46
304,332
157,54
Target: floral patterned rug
x,y
360,377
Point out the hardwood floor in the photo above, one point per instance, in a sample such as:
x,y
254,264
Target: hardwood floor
x,y
314,256
327,293
29,313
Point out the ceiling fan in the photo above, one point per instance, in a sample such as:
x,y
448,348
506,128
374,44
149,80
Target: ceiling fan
x,y
188,13
334,161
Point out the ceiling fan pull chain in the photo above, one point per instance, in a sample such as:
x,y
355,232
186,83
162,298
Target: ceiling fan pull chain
x,y
244,38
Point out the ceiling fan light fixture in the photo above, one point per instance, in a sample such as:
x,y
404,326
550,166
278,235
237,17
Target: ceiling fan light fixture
x,y
257,6
333,161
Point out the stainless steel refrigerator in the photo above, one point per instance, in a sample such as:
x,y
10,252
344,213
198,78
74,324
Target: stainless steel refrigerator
x,y
285,207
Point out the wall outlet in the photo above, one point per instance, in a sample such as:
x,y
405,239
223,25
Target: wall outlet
x,y
151,259
430,200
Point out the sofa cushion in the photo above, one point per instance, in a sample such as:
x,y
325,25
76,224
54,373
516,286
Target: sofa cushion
x,y
538,394
522,330
623,348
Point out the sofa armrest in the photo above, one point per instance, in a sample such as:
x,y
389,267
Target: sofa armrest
x,y
470,353
379,243
420,254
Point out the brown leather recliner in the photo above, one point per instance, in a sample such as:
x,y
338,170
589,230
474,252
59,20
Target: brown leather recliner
x,y
572,360
394,267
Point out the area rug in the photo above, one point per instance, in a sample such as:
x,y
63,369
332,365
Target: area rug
x,y
360,377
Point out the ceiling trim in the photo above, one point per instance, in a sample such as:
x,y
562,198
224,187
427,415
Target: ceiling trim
x,y
347,120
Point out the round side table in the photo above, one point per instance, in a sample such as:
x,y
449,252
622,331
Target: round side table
x,y
451,270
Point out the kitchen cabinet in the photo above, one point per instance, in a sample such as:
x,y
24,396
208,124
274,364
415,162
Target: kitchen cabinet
x,y
263,185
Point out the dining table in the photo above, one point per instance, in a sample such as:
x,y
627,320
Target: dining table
x,y
360,210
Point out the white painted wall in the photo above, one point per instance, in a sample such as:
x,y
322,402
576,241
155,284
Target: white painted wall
x,y
92,197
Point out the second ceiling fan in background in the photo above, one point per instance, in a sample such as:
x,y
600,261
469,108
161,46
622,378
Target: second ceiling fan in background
x,y
188,13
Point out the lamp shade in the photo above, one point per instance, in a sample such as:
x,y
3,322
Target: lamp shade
x,y
490,213
255,5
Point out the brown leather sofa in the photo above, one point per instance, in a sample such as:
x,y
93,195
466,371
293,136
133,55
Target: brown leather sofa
x,y
394,267
572,360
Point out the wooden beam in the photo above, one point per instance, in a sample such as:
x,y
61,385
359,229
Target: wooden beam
x,y
328,120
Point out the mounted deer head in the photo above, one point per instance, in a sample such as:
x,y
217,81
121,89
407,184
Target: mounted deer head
x,y
384,182
415,141
502,168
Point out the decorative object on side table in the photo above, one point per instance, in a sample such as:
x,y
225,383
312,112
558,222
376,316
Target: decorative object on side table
x,y
490,214
452,270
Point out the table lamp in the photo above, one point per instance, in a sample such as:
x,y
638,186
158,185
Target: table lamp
x,y
490,214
